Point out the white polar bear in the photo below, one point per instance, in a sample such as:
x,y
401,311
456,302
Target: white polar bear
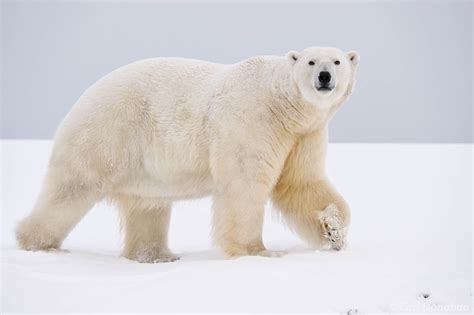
x,y
166,129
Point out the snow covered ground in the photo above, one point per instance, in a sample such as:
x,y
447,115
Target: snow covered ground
x,y
410,246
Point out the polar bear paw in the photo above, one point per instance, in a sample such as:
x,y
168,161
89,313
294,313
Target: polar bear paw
x,y
332,227
272,253
153,256
234,251
33,236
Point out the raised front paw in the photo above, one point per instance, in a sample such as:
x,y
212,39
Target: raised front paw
x,y
332,227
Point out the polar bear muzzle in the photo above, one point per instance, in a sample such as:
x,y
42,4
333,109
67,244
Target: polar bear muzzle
x,y
324,83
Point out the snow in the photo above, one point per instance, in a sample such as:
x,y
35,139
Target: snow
x,y
410,236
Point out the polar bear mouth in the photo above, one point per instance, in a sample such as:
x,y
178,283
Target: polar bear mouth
x,y
324,89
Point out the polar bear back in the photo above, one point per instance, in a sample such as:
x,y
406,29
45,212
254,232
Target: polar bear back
x,y
164,85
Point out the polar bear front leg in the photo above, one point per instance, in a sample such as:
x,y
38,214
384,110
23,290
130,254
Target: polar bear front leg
x,y
315,210
146,224
333,213
244,174
308,201
237,225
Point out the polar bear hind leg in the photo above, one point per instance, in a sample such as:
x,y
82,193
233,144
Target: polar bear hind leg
x,y
145,223
65,198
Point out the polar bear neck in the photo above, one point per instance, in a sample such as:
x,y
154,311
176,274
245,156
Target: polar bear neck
x,y
296,114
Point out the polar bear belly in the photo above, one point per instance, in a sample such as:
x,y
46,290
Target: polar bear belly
x,y
171,175
176,164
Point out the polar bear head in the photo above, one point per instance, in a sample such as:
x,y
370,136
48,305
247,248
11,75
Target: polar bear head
x,y
323,75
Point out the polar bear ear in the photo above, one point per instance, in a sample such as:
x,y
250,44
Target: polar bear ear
x,y
354,57
292,56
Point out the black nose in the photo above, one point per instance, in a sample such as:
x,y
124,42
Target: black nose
x,y
324,77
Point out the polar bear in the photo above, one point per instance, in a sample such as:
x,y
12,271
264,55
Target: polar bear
x,y
166,129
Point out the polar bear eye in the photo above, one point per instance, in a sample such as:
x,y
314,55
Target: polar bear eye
x,y
311,63
337,62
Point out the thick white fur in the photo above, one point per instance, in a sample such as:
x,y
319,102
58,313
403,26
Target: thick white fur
x,y
167,129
